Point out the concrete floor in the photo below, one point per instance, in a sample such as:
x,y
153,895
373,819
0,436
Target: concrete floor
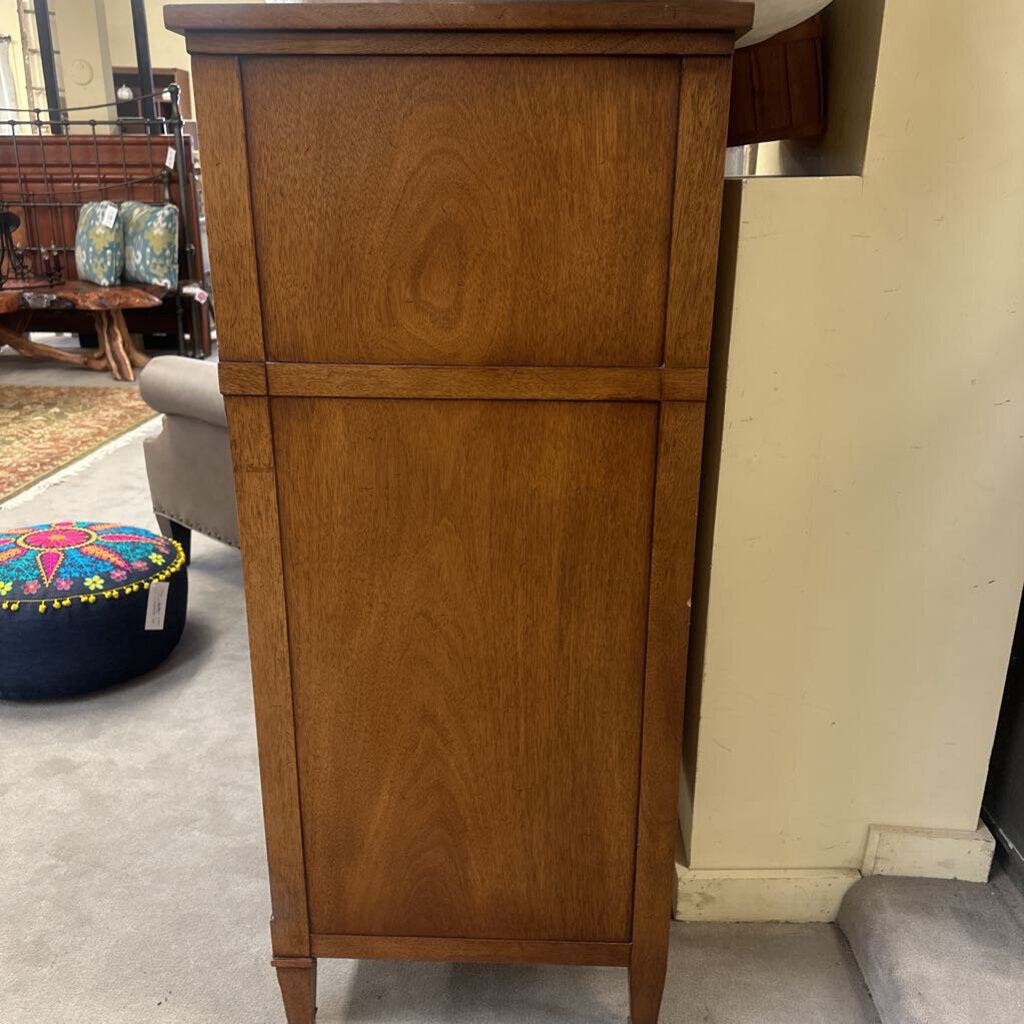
x,y
132,875
15,369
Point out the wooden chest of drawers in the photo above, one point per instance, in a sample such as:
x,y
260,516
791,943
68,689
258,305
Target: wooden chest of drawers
x,y
464,258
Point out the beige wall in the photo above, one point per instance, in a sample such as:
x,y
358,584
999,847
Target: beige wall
x,y
84,54
869,538
100,33
9,27
166,49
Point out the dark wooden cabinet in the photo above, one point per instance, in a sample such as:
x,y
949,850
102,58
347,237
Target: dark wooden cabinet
x,y
464,258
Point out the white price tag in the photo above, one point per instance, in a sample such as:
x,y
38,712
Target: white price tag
x,y
198,293
109,218
156,606
169,161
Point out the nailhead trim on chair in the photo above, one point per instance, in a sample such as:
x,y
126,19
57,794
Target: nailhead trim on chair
x,y
195,526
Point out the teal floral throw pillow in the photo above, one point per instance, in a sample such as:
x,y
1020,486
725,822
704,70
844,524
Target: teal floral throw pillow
x,y
99,243
151,243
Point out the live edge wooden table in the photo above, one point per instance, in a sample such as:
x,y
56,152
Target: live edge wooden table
x,y
116,351
464,256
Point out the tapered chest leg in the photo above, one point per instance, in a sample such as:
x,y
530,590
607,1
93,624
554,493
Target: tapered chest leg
x,y
297,978
647,978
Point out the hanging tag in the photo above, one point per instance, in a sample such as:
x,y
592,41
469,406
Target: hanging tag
x,y
169,162
197,293
156,606
109,218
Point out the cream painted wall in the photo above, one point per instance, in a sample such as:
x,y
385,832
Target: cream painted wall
x,y
9,27
84,54
166,49
868,548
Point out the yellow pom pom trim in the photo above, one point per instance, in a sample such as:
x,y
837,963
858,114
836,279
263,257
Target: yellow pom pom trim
x,y
165,573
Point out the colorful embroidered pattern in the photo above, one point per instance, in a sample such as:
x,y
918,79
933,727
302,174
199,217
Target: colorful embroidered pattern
x,y
99,248
150,243
54,564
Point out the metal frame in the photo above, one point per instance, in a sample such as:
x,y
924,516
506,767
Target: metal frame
x,y
51,203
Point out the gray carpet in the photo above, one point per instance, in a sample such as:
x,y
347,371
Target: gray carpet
x,y
133,883
939,952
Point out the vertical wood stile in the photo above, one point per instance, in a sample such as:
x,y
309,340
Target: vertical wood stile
x,y
668,623
703,121
221,111
252,454
700,165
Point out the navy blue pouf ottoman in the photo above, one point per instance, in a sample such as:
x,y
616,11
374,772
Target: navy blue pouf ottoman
x,y
86,605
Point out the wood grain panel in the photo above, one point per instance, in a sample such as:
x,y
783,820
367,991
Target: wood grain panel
x,y
218,91
484,951
579,384
253,459
463,43
467,595
675,515
512,211
477,14
700,165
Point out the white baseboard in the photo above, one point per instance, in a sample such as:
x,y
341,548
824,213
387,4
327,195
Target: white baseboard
x,y
795,895
929,852
814,894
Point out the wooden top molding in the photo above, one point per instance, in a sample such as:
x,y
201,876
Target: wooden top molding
x,y
517,15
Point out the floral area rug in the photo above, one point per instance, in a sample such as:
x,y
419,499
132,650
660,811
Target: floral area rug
x,y
43,429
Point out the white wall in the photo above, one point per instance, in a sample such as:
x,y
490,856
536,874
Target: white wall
x,y
869,537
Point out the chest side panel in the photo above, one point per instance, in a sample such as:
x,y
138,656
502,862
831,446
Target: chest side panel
x,y
467,596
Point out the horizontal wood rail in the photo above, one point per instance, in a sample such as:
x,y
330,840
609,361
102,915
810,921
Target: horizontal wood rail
x,y
537,383
488,951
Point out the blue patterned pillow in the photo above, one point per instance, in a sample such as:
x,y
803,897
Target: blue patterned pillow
x,y
99,243
151,243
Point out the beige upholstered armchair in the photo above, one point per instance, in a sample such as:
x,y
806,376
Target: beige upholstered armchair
x,y
189,462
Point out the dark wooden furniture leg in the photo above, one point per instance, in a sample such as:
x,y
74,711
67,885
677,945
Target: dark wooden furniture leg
x,y
176,531
297,978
